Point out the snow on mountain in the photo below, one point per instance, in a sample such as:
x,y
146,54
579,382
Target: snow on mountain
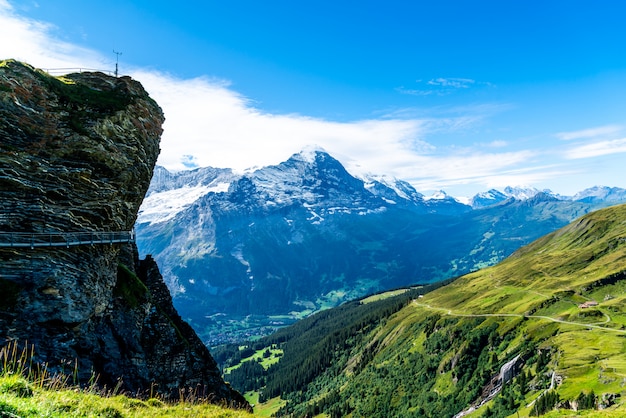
x,y
488,198
439,195
264,241
595,195
309,153
527,192
163,179
442,203
601,193
313,177
494,197
163,206
521,192
390,188
289,181
172,192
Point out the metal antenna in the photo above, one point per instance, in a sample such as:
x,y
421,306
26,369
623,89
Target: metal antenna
x,y
117,58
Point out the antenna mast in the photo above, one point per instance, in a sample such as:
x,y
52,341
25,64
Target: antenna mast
x,y
117,58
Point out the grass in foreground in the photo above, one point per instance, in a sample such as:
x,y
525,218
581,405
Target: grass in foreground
x,y
30,391
42,402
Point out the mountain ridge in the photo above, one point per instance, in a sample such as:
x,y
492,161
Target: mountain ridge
x,y
280,242
388,188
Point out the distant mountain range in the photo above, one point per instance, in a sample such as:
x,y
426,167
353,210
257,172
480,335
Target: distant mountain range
x,y
244,253
597,194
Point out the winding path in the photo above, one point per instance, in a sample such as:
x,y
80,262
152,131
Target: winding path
x,y
505,315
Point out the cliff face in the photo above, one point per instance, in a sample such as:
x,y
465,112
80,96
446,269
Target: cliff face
x,y
76,156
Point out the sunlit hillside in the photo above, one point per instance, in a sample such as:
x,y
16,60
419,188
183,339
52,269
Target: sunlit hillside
x,y
552,315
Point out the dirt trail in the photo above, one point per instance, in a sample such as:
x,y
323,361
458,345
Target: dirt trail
x,y
509,315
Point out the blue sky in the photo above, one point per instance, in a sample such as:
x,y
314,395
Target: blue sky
x,y
455,95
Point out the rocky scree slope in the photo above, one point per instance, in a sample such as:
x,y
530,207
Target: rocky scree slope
x,y
76,155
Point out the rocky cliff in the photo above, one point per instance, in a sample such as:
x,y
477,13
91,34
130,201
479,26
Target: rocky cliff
x,y
76,156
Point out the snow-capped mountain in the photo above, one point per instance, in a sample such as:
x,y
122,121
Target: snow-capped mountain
x,y
170,193
390,189
522,192
597,195
488,198
494,197
285,240
311,178
601,194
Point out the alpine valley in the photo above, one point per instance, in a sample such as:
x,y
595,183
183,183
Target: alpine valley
x,y
539,334
245,254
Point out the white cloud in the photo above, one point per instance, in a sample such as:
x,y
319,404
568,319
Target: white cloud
x,y
597,149
441,86
210,124
498,143
220,128
434,173
33,42
414,92
590,133
457,83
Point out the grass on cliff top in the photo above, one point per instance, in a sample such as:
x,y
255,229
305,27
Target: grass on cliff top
x,y
29,391
85,101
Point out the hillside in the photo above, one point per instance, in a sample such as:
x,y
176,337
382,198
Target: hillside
x,y
549,321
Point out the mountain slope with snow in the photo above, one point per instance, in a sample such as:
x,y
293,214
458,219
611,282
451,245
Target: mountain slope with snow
x,y
601,194
244,253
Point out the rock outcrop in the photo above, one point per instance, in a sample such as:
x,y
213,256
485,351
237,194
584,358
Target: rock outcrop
x,y
76,155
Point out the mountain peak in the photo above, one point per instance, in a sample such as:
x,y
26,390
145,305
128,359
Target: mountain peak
x,y
521,192
310,158
488,198
310,153
600,193
438,195
390,188
494,197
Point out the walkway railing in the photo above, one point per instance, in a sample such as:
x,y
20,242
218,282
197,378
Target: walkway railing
x,y
63,239
64,71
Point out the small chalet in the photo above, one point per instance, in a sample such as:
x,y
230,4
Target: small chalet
x,y
588,304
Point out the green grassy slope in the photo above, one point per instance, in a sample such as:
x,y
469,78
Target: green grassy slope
x,y
28,389
539,290
436,355
56,403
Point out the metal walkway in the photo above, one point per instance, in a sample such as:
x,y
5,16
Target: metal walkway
x,y
63,239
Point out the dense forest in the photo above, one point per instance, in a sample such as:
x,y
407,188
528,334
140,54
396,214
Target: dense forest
x,y
321,352
311,345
